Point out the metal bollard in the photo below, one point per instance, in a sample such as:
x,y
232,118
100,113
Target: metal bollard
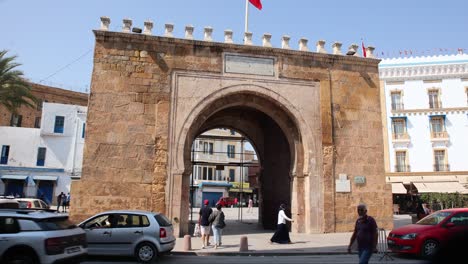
x,y
244,244
187,243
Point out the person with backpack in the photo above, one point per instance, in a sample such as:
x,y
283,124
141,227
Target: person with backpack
x,y
217,224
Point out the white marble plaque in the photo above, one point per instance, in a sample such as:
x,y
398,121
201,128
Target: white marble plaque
x,y
343,186
249,65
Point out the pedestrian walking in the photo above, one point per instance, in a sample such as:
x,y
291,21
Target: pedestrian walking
x,y
365,232
217,224
67,202
60,201
282,233
204,222
249,208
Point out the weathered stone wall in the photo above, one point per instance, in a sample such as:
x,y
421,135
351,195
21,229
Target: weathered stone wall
x,y
43,94
126,154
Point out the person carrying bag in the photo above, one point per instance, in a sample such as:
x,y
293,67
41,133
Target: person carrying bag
x,y
217,224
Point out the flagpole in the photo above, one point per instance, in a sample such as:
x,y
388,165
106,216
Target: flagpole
x,y
246,15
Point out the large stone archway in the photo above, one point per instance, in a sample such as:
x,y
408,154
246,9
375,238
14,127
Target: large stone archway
x,y
151,96
279,132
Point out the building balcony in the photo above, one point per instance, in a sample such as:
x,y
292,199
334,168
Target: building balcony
x,y
402,168
441,167
435,105
439,135
400,136
397,106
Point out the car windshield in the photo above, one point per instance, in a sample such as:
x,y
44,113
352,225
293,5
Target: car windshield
x,y
162,220
433,219
55,223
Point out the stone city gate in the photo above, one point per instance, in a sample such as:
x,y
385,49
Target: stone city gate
x,y
314,120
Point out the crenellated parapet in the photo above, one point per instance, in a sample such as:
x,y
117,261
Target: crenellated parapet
x,y
266,38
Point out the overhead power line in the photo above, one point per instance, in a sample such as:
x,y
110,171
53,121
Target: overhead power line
x,y
66,66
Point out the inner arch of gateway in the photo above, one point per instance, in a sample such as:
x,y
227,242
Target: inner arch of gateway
x,y
314,120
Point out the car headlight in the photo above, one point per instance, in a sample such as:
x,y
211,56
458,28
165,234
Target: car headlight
x,y
409,236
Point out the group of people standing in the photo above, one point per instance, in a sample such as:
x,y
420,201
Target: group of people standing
x,y
215,219
63,201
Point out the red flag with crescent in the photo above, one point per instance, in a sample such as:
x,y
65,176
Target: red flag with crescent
x,y
256,3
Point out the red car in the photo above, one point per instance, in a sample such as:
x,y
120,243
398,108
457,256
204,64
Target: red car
x,y
227,201
430,233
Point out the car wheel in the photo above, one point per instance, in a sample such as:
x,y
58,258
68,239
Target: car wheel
x,y
146,252
429,248
20,259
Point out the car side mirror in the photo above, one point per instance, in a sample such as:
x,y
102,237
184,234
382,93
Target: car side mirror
x,y
450,225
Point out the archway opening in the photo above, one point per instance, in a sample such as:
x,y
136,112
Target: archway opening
x,y
272,146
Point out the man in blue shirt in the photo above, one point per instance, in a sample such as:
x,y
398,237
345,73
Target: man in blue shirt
x,y
365,231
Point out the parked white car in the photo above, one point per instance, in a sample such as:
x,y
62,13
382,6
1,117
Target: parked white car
x,y
35,237
141,234
32,203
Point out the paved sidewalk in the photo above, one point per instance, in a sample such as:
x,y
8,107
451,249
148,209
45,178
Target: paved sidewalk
x,y
259,239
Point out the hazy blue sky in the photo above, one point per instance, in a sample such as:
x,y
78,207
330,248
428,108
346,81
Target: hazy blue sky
x,y
55,38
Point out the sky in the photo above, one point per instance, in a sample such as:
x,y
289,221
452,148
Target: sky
x,y
54,41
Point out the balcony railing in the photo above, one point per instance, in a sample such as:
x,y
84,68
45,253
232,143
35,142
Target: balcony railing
x,y
397,106
441,167
435,105
400,136
441,134
402,168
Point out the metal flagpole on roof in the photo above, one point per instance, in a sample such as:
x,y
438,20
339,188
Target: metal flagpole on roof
x,y
246,15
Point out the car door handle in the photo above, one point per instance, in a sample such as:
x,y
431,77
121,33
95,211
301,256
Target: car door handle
x,y
138,232
106,233
3,239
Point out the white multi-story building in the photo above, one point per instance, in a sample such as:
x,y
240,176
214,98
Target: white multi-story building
x,y
220,165
426,121
42,162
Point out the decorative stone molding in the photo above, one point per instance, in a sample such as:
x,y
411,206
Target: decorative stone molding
x,y
352,50
303,44
321,46
285,42
147,30
127,25
105,22
168,31
370,52
428,112
248,38
428,72
266,40
228,36
355,47
337,48
208,34
189,31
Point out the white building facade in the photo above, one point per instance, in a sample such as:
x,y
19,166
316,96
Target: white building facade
x,y
426,121
218,156
42,162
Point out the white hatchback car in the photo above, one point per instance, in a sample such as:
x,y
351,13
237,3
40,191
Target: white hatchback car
x,y
32,237
141,234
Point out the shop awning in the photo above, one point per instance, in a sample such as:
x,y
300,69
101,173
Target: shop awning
x,y
398,188
45,178
14,177
440,187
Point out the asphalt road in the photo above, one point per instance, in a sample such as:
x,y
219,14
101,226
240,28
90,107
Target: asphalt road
x,y
334,259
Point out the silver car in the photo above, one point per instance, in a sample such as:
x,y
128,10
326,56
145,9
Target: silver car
x,y
129,233
32,237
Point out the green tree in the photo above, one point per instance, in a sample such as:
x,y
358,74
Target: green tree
x,y
14,89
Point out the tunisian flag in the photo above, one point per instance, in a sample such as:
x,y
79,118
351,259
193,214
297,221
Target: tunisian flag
x,y
364,53
256,3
